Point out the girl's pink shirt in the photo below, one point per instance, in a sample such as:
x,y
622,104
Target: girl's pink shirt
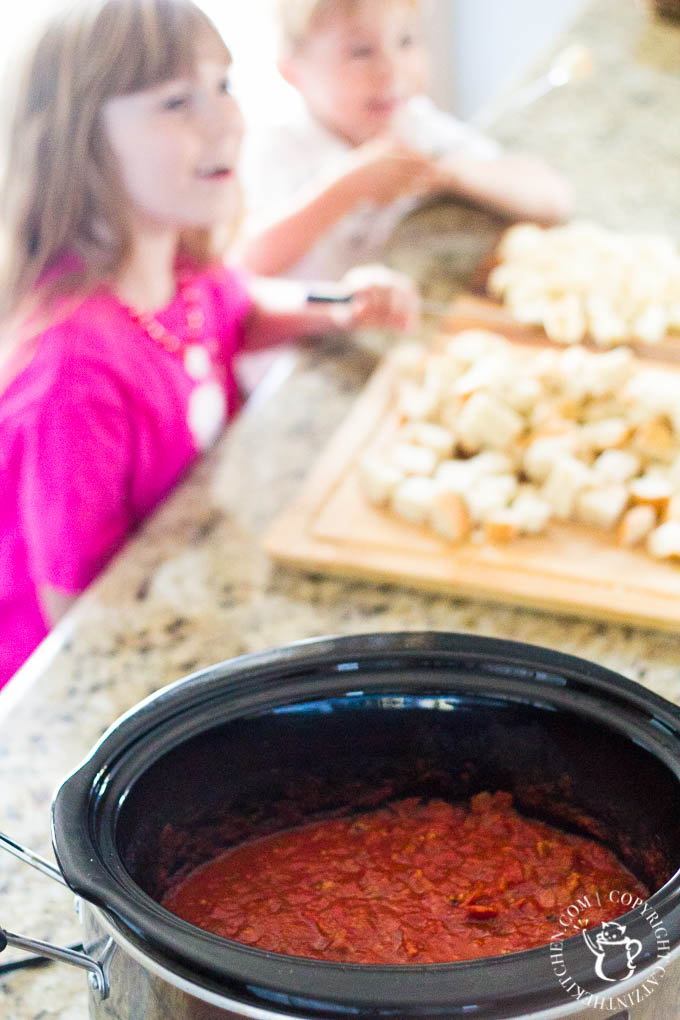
x,y
94,431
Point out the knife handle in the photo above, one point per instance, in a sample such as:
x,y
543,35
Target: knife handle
x,y
326,299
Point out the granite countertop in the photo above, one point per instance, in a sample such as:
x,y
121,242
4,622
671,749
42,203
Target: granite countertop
x,y
194,586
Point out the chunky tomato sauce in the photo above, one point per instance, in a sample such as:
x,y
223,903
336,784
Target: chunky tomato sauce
x,y
415,882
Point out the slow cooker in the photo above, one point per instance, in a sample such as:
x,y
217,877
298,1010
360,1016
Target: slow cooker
x,y
265,741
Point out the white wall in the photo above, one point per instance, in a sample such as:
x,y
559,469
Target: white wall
x,y
248,28
17,24
482,46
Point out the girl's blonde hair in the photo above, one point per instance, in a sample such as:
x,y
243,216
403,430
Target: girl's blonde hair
x,y
296,19
62,191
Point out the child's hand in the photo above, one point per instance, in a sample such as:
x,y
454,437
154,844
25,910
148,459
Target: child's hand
x,y
382,170
382,299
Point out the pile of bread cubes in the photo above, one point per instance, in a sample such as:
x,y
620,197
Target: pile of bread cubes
x,y
581,281
497,439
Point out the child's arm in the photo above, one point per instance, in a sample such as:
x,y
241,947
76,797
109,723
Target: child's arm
x,y
273,246
381,299
379,171
519,186
476,167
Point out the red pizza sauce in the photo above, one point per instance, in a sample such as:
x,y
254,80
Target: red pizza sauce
x,y
414,882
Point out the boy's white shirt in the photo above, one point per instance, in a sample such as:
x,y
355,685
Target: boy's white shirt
x,y
280,159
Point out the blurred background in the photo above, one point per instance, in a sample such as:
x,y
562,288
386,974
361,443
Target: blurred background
x,y
479,47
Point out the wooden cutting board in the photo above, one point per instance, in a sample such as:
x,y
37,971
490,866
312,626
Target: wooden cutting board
x,y
478,303
479,310
331,527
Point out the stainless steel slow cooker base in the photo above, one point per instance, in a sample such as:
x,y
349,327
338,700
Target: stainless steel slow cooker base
x,y
140,987
144,988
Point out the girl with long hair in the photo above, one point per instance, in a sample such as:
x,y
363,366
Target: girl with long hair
x,y
121,321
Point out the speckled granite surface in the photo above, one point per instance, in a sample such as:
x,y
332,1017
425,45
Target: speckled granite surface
x,y
194,587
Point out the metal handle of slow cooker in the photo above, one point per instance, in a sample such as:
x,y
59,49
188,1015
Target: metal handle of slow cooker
x,y
97,972
29,857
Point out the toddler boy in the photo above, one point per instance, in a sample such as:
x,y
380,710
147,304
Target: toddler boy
x,y
326,188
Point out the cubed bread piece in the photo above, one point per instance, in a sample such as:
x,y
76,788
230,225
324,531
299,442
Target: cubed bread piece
x,y
651,324
564,320
457,475
501,525
499,279
425,433
489,493
574,372
635,525
604,324
605,434
453,364
654,490
378,478
568,409
437,377
654,440
449,412
663,543
673,413
486,421
489,462
525,303
566,480
544,452
532,512
521,392
449,369
545,366
616,465
651,392
520,240
613,370
409,360
488,373
545,419
449,515
453,475
413,459
593,376
412,499
672,511
416,403
471,344
602,507
602,408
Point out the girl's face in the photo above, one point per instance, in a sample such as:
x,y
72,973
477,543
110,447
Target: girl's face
x,y
176,146
356,71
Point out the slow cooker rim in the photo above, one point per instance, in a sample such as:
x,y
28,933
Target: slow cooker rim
x,y
319,651
660,899
324,650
